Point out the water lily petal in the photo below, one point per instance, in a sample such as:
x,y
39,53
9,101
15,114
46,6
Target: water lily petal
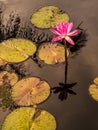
x,y
69,40
62,28
64,31
55,31
70,26
56,39
73,33
59,28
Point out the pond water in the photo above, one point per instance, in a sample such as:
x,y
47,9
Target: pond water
x,y
78,112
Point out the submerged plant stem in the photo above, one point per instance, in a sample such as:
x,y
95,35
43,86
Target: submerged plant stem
x,y
66,62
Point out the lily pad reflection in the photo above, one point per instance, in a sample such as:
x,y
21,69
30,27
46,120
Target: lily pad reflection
x,y
52,53
48,16
30,91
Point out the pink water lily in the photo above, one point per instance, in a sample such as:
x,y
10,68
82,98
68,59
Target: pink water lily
x,y
64,31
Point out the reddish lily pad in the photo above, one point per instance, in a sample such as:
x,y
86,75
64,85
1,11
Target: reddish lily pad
x,y
29,119
48,16
16,50
52,53
30,91
7,78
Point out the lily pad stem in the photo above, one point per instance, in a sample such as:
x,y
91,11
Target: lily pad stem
x,y
66,61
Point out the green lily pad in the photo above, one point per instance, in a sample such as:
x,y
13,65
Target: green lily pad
x,y
30,91
52,53
29,119
48,16
16,50
7,78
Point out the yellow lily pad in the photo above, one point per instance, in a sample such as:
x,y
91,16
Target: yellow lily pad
x,y
96,81
93,90
7,78
48,16
29,119
16,50
52,53
2,62
44,120
30,91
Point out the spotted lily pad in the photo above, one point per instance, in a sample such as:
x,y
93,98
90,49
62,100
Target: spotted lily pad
x,y
30,91
2,62
48,16
16,50
52,53
29,119
7,78
93,89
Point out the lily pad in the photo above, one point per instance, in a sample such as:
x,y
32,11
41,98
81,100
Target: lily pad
x,y
2,62
29,119
7,78
52,53
93,89
30,91
16,50
48,16
96,81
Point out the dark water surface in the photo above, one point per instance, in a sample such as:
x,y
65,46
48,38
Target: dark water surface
x,y
78,112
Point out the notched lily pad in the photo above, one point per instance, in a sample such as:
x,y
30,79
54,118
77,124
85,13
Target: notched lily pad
x,y
29,119
2,62
44,120
7,78
30,91
48,16
93,89
52,53
19,119
16,50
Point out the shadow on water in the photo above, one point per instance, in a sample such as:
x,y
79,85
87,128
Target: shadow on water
x,y
64,90
14,28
